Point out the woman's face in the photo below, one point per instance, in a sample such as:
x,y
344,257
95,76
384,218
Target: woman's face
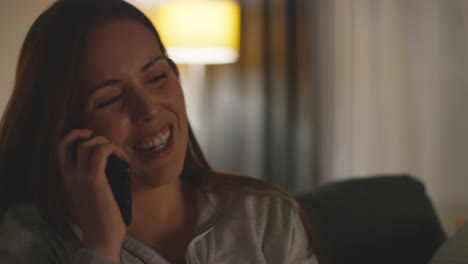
x,y
135,100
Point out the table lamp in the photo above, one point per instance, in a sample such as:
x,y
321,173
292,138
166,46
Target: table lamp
x,y
199,31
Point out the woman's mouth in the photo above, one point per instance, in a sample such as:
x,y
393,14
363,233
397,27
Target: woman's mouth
x,y
157,143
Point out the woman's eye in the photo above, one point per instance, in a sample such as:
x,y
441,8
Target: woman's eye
x,y
109,102
157,78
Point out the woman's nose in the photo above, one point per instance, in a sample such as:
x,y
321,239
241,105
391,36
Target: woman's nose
x,y
143,107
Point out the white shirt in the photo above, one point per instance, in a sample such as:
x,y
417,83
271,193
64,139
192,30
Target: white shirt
x,y
232,228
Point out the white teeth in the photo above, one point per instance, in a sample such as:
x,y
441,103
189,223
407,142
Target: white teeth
x,y
157,143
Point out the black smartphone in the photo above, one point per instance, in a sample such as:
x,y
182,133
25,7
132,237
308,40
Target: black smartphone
x,y
119,173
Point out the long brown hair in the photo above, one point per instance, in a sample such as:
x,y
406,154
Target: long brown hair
x,y
47,103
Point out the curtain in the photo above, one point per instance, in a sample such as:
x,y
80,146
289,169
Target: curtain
x,y
326,90
257,116
392,88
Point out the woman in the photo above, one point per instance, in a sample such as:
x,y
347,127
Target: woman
x,y
94,80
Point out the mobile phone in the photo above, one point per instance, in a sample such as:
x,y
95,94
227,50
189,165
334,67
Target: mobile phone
x,y
119,173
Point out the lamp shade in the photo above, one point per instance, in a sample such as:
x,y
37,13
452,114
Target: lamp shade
x,y
199,31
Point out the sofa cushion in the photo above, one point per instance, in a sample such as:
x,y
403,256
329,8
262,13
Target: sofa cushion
x,y
386,219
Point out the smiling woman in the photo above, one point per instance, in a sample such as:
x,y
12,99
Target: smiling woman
x,y
138,100
94,80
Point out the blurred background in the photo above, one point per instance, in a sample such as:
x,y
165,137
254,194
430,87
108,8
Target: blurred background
x,y
322,90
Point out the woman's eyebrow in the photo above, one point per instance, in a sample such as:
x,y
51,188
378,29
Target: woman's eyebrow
x,y
150,63
114,81
103,84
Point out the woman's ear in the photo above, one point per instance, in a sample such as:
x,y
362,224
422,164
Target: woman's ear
x,y
173,66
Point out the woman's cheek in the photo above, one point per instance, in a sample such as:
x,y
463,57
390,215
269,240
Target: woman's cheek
x,y
175,98
114,129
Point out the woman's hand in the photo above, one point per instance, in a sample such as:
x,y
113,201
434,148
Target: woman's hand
x,y
89,196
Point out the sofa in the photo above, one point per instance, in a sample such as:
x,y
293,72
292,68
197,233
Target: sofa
x,y
381,219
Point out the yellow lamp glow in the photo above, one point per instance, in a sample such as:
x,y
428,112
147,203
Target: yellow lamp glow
x,y
199,31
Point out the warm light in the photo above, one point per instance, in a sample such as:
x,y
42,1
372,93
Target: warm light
x,y
200,31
